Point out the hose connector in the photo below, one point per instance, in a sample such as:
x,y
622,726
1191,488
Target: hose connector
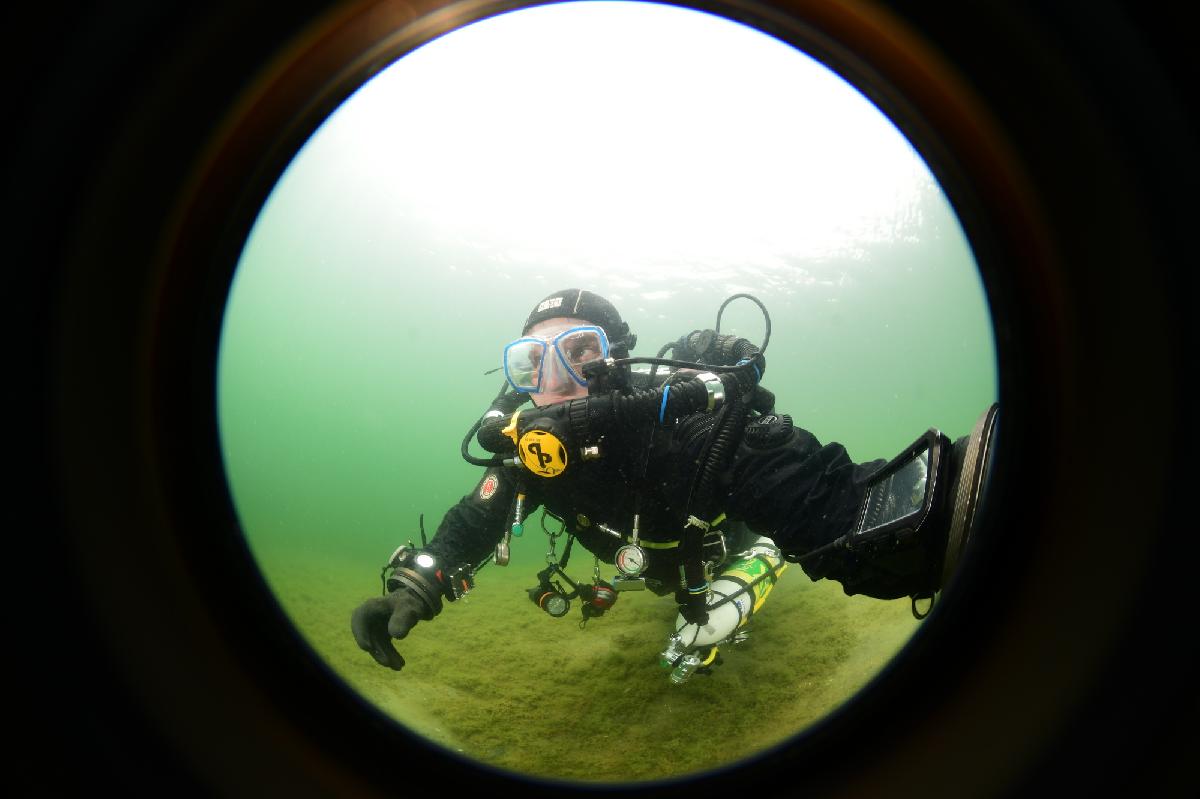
x,y
714,388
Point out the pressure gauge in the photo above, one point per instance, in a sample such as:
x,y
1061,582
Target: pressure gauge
x,y
630,560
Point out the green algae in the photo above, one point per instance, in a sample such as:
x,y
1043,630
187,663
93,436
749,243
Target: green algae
x,y
497,681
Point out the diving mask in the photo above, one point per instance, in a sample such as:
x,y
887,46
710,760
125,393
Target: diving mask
x,y
552,360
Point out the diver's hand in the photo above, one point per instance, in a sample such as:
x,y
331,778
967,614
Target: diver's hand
x,y
377,621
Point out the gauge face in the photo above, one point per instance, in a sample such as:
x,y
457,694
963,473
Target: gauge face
x,y
630,560
556,604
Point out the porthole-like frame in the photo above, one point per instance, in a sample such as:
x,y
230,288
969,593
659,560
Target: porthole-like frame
x,y
976,703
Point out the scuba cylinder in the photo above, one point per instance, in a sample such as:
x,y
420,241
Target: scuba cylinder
x,y
734,596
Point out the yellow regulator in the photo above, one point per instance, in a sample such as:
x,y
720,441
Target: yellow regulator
x,y
542,453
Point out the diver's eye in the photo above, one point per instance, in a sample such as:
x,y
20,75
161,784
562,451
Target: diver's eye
x,y
580,349
577,354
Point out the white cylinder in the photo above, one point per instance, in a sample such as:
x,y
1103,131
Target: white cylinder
x,y
753,569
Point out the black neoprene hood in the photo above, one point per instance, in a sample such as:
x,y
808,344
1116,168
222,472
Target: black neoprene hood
x,y
588,306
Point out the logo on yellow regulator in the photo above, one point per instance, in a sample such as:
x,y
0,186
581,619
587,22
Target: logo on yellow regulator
x,y
542,453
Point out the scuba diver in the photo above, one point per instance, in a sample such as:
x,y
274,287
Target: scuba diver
x,y
680,474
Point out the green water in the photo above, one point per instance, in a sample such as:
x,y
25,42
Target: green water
x,y
356,339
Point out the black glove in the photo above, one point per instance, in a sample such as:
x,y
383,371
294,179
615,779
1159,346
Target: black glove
x,y
377,621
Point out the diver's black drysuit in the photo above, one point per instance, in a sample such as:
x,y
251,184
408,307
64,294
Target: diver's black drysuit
x,y
782,483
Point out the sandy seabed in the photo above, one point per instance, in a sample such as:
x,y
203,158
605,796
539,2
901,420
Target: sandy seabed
x,y
498,681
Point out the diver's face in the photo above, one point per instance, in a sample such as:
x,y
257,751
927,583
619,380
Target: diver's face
x,y
557,383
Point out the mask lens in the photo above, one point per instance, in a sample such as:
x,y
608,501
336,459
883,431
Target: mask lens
x,y
580,346
523,363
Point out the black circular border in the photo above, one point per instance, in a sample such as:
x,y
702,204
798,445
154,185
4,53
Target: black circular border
x,y
1061,656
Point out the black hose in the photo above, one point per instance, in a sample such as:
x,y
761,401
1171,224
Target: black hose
x,y
670,345
723,441
505,402
471,459
767,338
598,414
726,436
685,364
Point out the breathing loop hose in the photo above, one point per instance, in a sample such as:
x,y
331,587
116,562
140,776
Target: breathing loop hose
x,y
488,426
595,415
726,435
